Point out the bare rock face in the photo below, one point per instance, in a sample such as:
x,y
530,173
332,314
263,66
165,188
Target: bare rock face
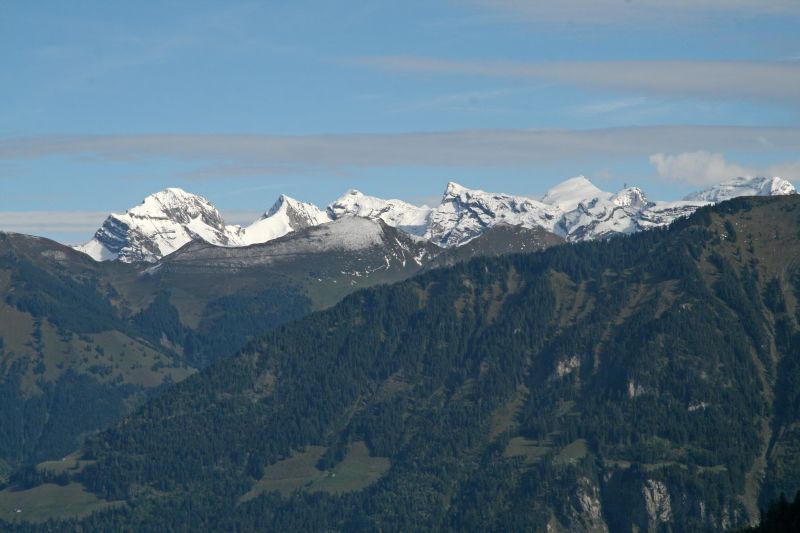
x,y
465,213
161,224
657,503
587,509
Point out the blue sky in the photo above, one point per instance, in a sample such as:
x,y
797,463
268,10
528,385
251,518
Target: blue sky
x,y
103,103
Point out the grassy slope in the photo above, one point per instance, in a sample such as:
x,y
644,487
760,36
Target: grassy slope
x,y
49,501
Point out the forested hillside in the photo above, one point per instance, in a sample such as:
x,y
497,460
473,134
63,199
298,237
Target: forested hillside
x,y
82,343
644,383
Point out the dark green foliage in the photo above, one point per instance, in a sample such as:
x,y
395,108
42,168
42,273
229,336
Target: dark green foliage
x,y
645,365
161,321
730,231
68,303
231,321
26,477
782,516
228,324
45,413
49,425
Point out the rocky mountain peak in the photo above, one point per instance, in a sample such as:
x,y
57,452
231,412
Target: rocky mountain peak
x,y
285,216
179,206
466,213
161,224
575,210
630,197
453,189
744,186
397,213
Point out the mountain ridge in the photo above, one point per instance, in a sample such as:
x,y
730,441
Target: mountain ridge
x,y
575,209
642,383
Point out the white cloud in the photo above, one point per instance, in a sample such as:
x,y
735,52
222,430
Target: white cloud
x,y
709,79
707,168
789,170
697,168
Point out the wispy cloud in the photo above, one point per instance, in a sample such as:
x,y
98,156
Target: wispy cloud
x,y
216,171
337,154
241,217
629,12
39,222
219,29
706,168
612,106
464,100
710,79
707,79
77,226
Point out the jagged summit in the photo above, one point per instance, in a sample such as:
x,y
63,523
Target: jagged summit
x,y
162,223
630,197
397,213
466,213
285,215
455,189
575,210
282,202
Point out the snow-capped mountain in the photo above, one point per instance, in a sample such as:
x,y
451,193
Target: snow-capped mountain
x,y
603,216
466,213
285,216
575,210
161,224
397,213
629,210
569,193
349,247
758,186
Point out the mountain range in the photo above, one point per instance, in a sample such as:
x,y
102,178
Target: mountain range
x,y
554,344
575,210
108,334
647,383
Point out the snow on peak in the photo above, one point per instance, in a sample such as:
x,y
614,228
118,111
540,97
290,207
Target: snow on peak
x,y
630,197
348,233
454,189
178,206
396,213
161,224
282,203
466,213
285,216
568,194
743,186
575,209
